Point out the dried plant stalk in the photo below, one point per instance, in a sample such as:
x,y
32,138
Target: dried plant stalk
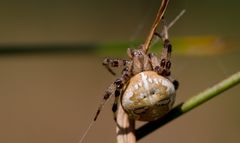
x,y
160,14
125,127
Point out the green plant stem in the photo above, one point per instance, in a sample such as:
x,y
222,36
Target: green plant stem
x,y
189,105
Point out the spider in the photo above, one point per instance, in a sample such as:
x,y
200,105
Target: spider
x,y
145,89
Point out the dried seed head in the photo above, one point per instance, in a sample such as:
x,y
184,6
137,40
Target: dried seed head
x,y
148,96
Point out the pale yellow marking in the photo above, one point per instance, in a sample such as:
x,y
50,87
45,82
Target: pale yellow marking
x,y
145,81
136,86
127,100
150,80
155,80
140,84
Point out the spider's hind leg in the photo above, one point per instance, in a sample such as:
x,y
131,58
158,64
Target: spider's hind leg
x,y
108,63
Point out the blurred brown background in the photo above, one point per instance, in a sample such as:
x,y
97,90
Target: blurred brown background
x,y
52,97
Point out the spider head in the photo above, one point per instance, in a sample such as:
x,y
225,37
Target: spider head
x,y
135,53
139,59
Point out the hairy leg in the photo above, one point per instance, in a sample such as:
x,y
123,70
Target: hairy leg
x,y
108,63
165,62
115,89
108,93
126,75
115,104
158,69
154,60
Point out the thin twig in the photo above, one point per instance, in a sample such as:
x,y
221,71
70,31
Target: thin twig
x,y
189,105
176,19
160,14
164,34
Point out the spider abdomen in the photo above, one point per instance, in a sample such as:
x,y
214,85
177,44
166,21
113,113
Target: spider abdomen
x,y
148,96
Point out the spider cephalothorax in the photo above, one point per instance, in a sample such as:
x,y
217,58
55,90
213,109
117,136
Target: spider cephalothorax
x,y
145,88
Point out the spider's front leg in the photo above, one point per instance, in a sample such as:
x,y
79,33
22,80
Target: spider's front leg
x,y
115,89
108,63
126,75
108,93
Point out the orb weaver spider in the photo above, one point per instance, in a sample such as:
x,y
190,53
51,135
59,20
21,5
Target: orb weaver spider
x,y
145,89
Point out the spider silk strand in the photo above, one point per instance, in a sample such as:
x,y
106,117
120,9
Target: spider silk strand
x,y
86,132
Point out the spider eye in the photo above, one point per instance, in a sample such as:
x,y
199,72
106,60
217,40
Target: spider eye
x,y
137,53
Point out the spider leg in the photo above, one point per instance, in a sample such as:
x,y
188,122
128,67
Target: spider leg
x,y
108,93
163,68
126,75
165,63
154,60
115,89
175,83
115,104
159,66
108,63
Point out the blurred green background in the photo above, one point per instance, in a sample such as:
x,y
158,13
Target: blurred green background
x,y
52,80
